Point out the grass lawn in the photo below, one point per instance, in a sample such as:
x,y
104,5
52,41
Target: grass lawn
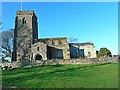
x,y
63,76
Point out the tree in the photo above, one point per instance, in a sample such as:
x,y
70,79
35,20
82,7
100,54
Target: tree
x,y
7,42
104,52
71,40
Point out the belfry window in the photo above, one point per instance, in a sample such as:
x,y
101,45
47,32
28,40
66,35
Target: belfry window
x,y
23,21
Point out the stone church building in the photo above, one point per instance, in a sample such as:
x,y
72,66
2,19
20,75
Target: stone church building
x,y
27,45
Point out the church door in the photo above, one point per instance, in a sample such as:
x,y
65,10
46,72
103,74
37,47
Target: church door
x,y
38,57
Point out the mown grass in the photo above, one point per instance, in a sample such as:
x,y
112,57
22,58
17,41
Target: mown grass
x,y
63,76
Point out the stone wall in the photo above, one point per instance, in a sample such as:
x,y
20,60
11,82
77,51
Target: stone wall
x,y
53,41
54,48
19,64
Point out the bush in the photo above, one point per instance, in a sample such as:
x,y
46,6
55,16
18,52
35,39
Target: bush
x,y
104,52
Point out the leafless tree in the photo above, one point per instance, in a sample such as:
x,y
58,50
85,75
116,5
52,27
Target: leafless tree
x,y
72,40
7,40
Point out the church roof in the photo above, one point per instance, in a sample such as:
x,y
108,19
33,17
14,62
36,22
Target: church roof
x,y
82,44
52,38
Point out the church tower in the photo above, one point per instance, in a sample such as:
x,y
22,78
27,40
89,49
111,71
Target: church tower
x,y
25,34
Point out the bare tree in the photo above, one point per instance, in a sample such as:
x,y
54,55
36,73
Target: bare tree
x,y
73,40
7,40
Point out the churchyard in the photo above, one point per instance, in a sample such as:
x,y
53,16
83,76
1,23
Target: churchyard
x,y
104,75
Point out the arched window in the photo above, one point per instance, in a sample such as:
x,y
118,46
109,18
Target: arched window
x,y
23,21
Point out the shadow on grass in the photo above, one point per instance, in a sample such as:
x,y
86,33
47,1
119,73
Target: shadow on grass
x,y
58,65
37,75
38,68
28,69
83,67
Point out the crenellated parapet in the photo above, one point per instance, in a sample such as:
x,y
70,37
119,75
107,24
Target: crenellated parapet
x,y
25,12
26,30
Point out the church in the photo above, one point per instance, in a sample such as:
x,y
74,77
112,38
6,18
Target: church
x,y
27,45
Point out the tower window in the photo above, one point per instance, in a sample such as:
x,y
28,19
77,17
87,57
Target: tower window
x,y
23,21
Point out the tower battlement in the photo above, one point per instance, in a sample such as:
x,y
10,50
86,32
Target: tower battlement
x,y
26,30
25,12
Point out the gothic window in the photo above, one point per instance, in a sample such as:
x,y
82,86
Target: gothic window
x,y
23,21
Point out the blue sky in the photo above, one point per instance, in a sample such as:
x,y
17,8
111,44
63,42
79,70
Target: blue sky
x,y
88,21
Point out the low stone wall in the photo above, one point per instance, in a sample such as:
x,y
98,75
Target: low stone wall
x,y
19,64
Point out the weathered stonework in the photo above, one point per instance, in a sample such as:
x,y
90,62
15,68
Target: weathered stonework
x,y
51,48
42,52
27,46
25,33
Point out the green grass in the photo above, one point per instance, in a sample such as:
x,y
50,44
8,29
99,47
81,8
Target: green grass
x,y
63,76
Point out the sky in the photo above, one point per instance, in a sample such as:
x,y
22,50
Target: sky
x,y
95,22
